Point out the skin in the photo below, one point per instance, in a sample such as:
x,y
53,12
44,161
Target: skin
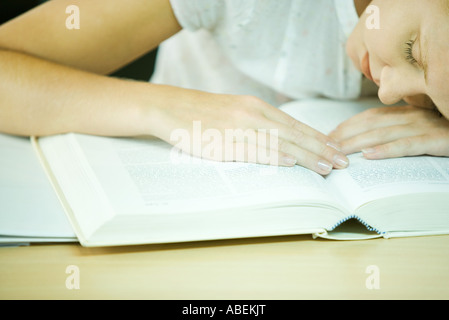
x,y
53,80
418,128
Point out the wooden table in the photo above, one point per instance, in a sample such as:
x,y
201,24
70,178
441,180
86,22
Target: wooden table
x,y
293,267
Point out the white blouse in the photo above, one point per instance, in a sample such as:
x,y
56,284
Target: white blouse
x,y
276,50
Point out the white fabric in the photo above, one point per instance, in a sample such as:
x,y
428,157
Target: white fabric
x,y
274,49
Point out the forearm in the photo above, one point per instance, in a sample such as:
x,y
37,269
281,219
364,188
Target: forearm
x,y
43,98
112,33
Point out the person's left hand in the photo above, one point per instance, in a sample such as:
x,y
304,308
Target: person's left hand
x,y
392,132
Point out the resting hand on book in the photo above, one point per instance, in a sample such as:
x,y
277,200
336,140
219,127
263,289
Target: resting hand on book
x,y
244,128
391,132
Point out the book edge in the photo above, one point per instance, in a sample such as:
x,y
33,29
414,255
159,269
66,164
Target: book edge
x,y
57,189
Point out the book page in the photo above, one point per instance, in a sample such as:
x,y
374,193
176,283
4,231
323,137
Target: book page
x,y
143,176
367,180
29,208
325,115
160,178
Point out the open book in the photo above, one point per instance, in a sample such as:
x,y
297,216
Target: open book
x,y
119,191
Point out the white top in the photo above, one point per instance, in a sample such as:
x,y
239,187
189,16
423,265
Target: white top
x,y
276,50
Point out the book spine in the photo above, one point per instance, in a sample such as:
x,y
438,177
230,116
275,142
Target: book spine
x,y
370,228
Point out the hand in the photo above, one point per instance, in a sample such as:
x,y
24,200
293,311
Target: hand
x,y
264,130
391,132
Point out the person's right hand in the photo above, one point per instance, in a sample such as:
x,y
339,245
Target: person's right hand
x,y
242,128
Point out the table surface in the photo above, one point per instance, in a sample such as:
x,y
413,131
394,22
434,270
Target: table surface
x,y
292,267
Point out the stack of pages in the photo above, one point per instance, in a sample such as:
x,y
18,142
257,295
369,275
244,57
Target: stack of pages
x,y
29,208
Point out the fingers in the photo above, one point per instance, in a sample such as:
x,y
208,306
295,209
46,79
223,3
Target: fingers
x,y
311,148
280,117
394,132
257,153
435,144
322,162
376,137
254,147
405,147
379,126
370,120
287,142
282,146
272,148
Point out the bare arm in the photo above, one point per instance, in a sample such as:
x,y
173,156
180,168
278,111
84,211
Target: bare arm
x,y
48,83
52,80
112,32
43,98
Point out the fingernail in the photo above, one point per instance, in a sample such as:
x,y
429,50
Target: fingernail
x,y
290,162
369,150
324,166
333,145
341,161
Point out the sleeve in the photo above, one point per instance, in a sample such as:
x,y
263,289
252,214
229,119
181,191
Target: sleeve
x,y
347,15
198,14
